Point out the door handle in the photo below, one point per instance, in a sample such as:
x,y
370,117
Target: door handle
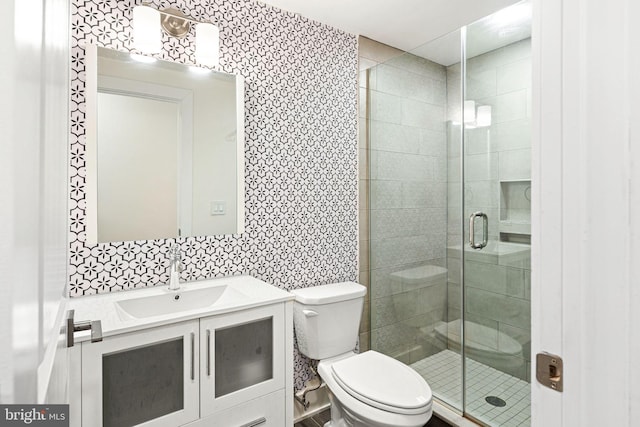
x,y
71,326
485,230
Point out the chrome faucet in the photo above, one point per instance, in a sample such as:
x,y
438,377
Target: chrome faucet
x,y
175,267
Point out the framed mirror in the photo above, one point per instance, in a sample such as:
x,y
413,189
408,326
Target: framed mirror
x,y
164,149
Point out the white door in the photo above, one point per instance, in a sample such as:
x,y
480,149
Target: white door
x,y
586,260
145,378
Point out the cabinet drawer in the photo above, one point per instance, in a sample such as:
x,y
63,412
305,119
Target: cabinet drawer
x,y
265,411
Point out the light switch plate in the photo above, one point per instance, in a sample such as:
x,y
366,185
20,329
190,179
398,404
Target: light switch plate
x,y
218,207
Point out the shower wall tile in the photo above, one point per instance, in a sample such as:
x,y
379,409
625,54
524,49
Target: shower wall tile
x,y
440,170
515,165
479,141
423,115
371,53
454,137
385,108
495,278
399,251
389,223
453,170
386,194
515,52
481,84
512,135
486,61
509,310
406,84
480,193
509,106
513,76
408,173
418,65
433,143
479,167
387,165
386,223
376,51
395,137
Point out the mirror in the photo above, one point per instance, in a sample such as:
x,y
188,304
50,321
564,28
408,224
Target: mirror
x,y
165,149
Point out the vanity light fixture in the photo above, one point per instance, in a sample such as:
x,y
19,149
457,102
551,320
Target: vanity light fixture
x,y
147,22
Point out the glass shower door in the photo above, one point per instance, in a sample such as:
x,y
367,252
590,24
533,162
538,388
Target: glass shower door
x,y
449,136
497,193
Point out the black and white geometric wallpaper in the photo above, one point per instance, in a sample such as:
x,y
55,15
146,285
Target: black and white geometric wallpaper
x,y
300,152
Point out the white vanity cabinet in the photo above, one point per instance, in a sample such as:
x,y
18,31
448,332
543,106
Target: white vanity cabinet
x,y
227,370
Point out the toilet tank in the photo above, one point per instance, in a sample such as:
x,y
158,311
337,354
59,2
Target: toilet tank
x,y
327,318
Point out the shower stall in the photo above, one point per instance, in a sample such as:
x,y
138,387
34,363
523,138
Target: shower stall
x,y
449,136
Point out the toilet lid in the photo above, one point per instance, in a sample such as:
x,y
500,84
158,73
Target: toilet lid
x,y
383,382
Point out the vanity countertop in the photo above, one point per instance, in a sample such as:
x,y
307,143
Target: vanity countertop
x,y
247,292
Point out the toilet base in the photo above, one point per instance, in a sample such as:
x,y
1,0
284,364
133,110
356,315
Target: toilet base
x,y
340,417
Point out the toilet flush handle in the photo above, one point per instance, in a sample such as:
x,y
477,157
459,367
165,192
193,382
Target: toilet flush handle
x,y
310,313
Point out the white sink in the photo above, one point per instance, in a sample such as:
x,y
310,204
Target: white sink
x,y
178,301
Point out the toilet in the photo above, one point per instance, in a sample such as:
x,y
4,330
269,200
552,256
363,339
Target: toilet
x,y
365,389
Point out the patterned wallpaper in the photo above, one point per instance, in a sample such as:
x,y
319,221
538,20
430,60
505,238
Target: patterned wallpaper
x,y
300,152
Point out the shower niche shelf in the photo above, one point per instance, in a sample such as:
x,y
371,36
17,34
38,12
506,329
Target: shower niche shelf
x,y
515,207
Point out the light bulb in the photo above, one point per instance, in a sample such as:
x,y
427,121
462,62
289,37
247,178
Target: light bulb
x,y
484,116
146,29
469,112
207,44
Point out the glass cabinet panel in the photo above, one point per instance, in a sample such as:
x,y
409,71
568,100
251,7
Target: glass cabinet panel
x,y
243,356
141,384
147,377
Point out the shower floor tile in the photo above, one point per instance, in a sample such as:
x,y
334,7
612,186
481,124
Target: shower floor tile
x,y
442,372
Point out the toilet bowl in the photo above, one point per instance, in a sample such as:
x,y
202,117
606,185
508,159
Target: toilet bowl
x,y
366,389
371,389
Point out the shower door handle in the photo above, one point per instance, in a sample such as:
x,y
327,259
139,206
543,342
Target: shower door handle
x,y
485,230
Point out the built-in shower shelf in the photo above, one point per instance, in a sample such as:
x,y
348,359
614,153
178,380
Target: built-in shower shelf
x,y
515,207
515,227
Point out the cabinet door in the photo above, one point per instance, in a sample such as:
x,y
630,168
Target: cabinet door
x,y
145,378
242,357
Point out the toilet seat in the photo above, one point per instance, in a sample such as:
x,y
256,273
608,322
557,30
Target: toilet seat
x,y
383,382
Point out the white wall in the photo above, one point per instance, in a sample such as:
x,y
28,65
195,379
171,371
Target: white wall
x,y
33,212
585,289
